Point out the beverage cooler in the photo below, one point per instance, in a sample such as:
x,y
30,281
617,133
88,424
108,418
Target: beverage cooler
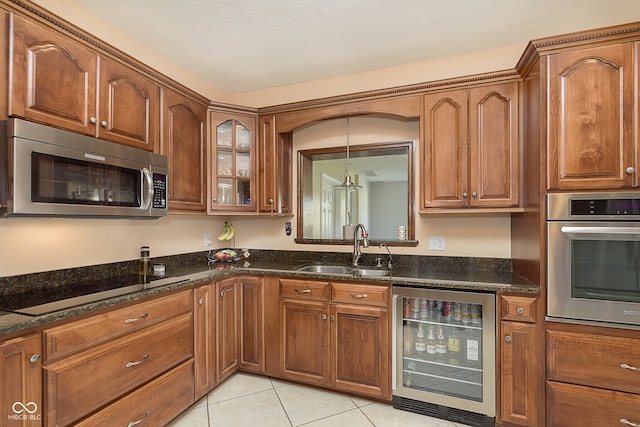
x,y
444,354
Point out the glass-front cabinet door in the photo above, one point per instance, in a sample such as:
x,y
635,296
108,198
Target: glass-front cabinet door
x,y
232,164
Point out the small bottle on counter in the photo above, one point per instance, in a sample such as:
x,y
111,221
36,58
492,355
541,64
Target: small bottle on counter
x,y
144,264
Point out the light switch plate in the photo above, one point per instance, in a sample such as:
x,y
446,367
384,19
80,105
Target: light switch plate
x,y
436,243
207,239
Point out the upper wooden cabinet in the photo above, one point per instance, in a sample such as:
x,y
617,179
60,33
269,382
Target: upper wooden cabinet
x,y
232,163
129,107
591,118
275,168
184,143
58,81
471,148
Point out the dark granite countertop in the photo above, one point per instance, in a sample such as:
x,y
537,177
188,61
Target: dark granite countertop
x,y
465,274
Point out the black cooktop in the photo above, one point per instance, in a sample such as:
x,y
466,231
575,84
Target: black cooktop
x,y
35,303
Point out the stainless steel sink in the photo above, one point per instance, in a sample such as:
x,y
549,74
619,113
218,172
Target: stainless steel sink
x,y
343,269
328,269
366,271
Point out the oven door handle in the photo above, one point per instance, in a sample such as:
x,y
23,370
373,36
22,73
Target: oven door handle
x,y
614,233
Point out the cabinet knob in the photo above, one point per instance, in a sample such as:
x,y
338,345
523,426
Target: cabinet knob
x,y
520,310
630,170
93,120
507,338
465,195
34,358
200,301
474,194
324,317
333,317
104,123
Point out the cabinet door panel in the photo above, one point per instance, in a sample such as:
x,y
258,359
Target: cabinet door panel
x,y
155,404
518,376
594,360
304,346
591,118
572,405
21,379
184,143
494,145
129,107
445,158
204,337
252,355
360,359
228,337
53,78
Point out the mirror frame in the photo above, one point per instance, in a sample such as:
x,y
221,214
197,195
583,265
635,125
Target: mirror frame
x,y
305,158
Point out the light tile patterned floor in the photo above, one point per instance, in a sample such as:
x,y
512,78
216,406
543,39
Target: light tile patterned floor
x,y
253,401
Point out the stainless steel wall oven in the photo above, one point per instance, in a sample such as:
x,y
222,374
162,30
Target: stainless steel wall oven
x,y
593,258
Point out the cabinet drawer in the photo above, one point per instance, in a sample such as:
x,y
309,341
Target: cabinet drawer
x,y
357,293
571,405
80,384
594,360
155,404
75,336
307,289
517,308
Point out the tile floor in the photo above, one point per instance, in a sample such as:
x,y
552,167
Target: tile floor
x,y
251,401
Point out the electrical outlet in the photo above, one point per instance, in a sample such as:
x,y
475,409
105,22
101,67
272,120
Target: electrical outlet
x,y
207,239
436,243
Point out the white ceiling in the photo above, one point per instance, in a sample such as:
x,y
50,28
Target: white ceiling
x,y
246,45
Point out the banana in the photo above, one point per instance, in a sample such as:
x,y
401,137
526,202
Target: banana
x,y
225,231
231,233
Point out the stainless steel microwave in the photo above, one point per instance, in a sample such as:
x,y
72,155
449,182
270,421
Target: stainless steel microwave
x,y
51,172
593,258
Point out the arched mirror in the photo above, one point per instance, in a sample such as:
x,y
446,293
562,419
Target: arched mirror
x,y
380,197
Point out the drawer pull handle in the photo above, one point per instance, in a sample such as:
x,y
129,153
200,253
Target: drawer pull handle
x,y
629,423
303,291
132,364
134,423
142,317
632,368
359,296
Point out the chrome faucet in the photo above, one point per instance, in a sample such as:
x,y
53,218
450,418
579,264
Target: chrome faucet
x,y
389,261
357,241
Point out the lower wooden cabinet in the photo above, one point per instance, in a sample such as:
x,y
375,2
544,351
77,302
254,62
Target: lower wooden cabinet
x,y
251,322
592,376
570,405
338,344
227,329
154,404
204,339
21,382
521,381
80,384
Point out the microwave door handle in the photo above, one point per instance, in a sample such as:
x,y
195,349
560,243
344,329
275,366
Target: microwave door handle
x,y
614,233
146,203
